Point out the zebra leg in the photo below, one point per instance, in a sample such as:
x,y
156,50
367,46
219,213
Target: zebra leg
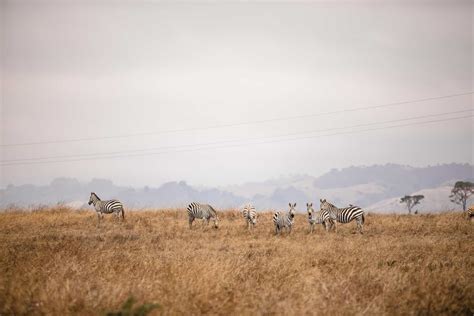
x,y
359,224
98,219
191,220
328,226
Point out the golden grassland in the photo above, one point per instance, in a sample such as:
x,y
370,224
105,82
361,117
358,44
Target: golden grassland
x,y
57,261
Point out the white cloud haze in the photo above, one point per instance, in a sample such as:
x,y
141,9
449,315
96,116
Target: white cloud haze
x,y
73,70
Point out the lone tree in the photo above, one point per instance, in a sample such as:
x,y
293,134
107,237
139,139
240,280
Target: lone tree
x,y
461,192
411,200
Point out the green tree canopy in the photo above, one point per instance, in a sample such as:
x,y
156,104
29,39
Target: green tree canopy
x,y
461,192
411,200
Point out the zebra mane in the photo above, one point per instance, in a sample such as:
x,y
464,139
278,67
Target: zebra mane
x,y
331,205
92,193
215,212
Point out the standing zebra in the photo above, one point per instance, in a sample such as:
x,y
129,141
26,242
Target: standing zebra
x,y
202,211
344,215
284,220
320,217
470,213
250,215
106,207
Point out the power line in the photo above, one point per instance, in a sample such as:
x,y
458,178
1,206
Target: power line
x,y
83,139
239,145
235,140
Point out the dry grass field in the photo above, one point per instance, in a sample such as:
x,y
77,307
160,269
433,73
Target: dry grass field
x,y
57,262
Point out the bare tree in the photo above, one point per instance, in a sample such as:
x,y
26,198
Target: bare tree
x,y
411,200
461,192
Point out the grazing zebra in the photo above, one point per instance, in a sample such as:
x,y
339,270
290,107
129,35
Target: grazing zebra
x,y
344,215
284,220
320,217
250,215
204,212
106,207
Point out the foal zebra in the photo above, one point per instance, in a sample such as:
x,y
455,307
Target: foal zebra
x,y
202,211
284,220
344,215
250,215
320,217
106,207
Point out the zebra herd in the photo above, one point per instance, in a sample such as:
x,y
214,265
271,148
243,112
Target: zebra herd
x,y
328,215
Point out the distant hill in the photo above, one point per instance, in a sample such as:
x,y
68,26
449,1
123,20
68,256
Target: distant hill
x,y
363,186
435,201
73,193
377,188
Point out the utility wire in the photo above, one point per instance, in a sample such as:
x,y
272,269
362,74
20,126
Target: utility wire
x,y
235,140
83,139
240,145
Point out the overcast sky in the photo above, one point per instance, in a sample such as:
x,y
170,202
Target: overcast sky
x,y
72,70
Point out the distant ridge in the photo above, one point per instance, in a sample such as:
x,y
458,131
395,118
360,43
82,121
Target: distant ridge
x,y
376,188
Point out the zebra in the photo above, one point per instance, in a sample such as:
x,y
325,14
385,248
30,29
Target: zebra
x,y
250,215
202,211
470,213
344,215
284,220
106,207
320,217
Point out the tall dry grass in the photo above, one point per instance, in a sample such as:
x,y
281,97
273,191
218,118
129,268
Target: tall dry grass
x,y
58,262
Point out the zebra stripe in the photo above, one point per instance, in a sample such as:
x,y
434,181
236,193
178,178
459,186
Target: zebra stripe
x,y
344,215
320,217
204,212
106,207
282,221
250,215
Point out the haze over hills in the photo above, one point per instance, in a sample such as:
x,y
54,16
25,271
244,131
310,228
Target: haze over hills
x,y
376,188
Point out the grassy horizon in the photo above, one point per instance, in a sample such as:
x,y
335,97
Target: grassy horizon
x,y
57,261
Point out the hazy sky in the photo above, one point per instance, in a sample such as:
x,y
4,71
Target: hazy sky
x,y
76,70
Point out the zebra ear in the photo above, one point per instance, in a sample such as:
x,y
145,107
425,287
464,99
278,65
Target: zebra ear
x,y
289,204
294,205
311,204
307,204
321,200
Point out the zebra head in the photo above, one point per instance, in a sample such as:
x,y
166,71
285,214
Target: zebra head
x,y
253,218
292,210
325,205
309,208
93,198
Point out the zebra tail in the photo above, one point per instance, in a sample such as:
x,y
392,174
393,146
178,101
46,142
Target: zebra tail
x,y
363,218
123,214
